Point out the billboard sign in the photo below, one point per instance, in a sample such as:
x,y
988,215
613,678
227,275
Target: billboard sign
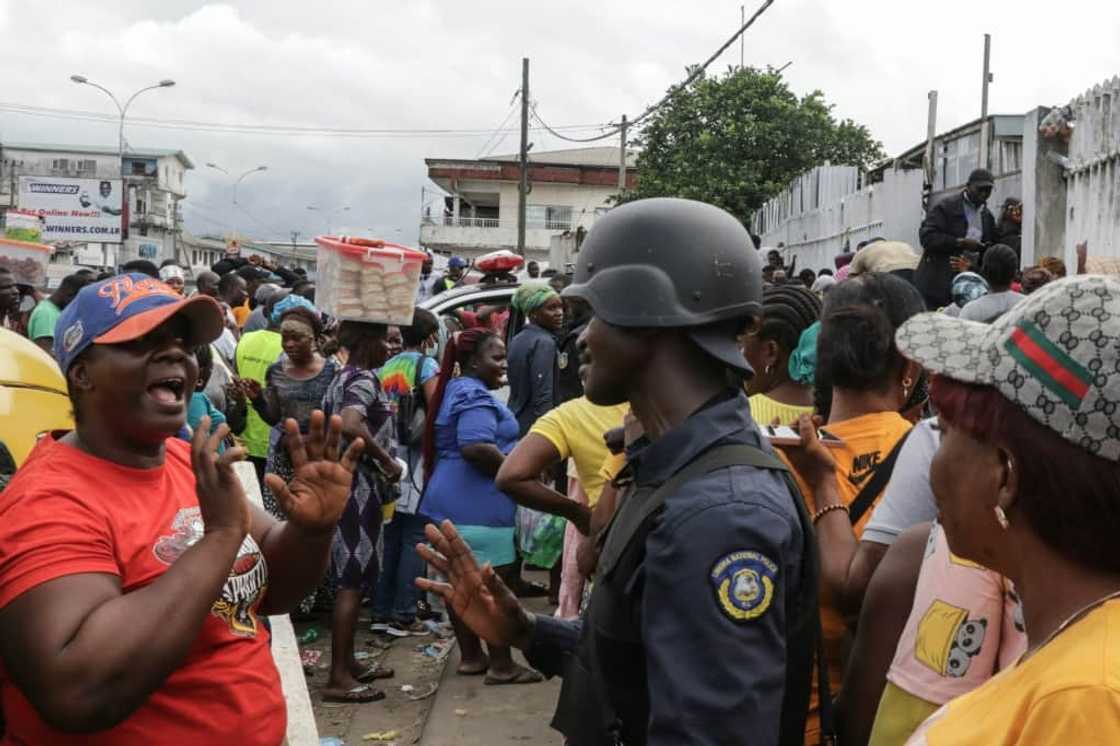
x,y
74,209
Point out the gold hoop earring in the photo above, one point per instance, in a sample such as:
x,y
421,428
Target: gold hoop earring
x,y
1001,518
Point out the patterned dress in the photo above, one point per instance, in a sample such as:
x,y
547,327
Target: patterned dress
x,y
298,399
354,561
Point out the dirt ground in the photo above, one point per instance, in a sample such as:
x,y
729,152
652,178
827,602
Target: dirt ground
x,y
400,711
440,708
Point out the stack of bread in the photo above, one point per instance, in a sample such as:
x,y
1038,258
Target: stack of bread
x,y
377,288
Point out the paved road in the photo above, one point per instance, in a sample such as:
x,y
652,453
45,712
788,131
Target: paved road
x,y
494,715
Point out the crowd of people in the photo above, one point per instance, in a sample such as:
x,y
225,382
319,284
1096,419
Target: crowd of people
x,y
869,503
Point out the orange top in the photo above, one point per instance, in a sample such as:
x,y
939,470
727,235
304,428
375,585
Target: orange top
x,y
867,441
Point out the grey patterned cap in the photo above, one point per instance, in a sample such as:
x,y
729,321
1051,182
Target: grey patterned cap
x,y
1056,354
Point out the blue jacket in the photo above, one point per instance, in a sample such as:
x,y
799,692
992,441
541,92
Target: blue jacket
x,y
532,375
693,645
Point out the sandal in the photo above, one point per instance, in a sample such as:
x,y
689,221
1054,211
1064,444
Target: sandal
x,y
522,676
530,589
374,672
357,695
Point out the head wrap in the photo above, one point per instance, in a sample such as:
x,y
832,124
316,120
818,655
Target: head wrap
x,y
531,296
803,361
967,287
172,272
288,303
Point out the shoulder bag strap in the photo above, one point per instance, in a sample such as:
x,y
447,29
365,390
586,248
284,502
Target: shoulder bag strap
x,y
640,504
877,483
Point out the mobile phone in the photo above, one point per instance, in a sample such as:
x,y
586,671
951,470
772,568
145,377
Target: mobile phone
x,y
783,435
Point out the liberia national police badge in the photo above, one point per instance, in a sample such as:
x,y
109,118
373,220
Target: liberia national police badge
x,y
744,584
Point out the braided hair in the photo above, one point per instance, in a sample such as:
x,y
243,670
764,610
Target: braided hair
x,y
787,311
461,349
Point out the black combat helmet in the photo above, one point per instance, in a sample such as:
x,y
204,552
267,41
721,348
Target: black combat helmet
x,y
672,263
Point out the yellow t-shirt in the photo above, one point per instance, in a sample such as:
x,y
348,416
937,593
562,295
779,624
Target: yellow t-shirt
x,y
765,410
576,429
614,463
867,441
1067,693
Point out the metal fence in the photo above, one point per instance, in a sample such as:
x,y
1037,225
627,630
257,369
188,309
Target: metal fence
x,y
1093,175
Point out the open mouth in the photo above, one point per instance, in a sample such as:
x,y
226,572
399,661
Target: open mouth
x,y
168,390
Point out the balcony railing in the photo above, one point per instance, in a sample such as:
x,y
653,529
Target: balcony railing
x,y
468,222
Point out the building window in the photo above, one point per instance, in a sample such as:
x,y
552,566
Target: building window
x,y
60,164
137,168
1010,157
87,166
549,217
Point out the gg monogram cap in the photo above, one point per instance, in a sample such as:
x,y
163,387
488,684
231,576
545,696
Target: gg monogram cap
x,y
1056,354
127,307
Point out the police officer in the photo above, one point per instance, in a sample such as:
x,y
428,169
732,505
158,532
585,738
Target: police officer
x,y
702,624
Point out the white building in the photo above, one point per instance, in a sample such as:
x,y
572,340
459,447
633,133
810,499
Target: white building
x,y
154,181
202,252
568,190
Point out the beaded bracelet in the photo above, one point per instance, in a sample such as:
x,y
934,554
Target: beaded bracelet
x,y
838,506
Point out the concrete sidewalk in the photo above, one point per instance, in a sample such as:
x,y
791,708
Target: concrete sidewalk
x,y
492,715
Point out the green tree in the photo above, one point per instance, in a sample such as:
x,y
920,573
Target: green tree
x,y
737,140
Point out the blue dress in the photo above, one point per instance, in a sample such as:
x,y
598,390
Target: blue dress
x,y
458,491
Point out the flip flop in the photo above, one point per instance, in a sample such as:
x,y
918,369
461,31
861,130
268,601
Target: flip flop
x,y
359,694
523,676
373,673
530,589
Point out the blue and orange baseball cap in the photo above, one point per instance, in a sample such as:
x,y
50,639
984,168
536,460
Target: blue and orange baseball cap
x,y
127,307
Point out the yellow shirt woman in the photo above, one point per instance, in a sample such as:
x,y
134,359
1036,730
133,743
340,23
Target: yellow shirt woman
x,y
1067,693
765,410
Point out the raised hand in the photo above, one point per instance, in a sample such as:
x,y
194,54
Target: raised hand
x,y
476,594
221,500
317,495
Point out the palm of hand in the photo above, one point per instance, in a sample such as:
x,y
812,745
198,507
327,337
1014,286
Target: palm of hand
x,y
318,492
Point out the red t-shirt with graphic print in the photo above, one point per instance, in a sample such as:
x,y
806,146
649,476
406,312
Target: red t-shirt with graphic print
x,y
67,512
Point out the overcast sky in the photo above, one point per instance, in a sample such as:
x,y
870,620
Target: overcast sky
x,y
425,64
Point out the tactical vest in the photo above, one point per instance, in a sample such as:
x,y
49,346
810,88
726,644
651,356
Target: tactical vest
x,y
604,699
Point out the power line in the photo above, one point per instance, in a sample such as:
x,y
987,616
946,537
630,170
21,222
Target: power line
x,y
498,129
262,129
696,73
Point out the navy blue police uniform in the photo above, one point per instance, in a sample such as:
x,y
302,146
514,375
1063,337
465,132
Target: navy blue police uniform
x,y
701,628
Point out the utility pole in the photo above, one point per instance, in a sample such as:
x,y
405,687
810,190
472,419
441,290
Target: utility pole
x,y
622,155
295,240
931,152
523,187
742,22
984,129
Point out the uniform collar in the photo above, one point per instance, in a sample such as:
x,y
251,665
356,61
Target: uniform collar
x,y
722,419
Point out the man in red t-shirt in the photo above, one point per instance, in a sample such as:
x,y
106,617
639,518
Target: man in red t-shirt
x,y
132,567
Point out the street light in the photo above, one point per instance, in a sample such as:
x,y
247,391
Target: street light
x,y
83,80
328,213
239,178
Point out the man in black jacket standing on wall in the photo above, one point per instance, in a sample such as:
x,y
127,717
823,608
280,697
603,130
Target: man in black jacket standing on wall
x,y
959,225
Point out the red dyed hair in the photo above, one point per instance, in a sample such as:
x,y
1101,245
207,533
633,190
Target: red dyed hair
x,y
460,349
1070,497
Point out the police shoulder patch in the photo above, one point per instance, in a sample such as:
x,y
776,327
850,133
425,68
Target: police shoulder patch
x,y
744,584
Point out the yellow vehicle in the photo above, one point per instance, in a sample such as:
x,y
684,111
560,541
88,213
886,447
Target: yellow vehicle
x,y
33,399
